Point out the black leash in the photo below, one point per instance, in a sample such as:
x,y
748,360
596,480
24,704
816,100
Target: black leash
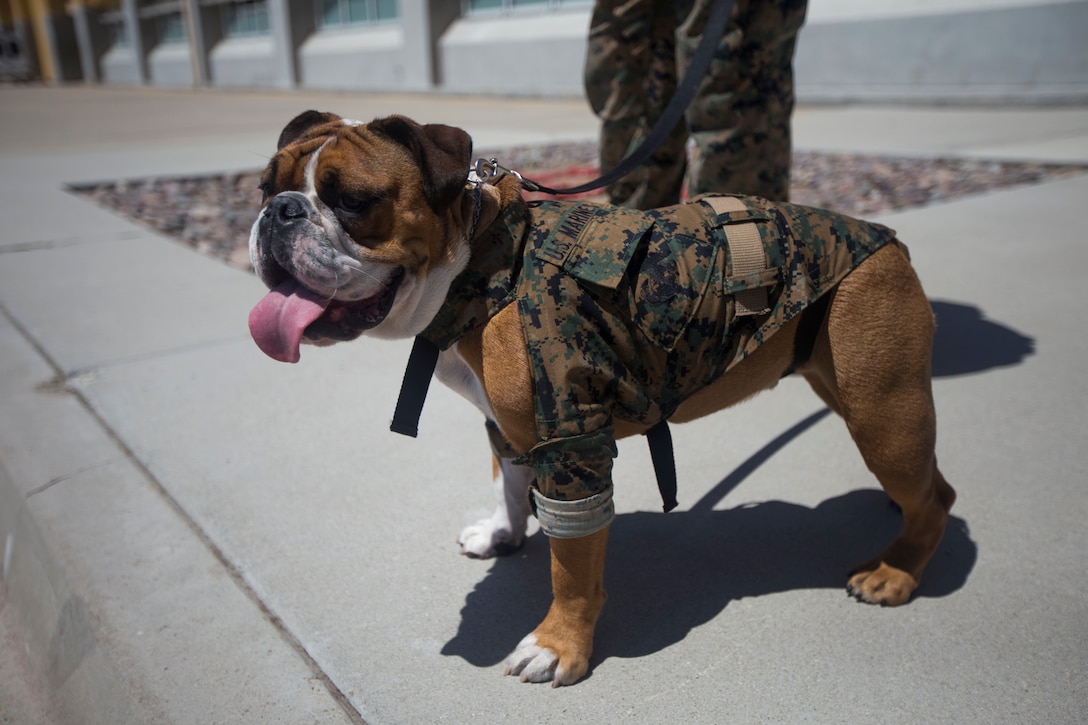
x,y
674,112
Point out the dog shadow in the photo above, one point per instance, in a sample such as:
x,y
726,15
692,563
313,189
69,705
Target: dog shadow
x,y
667,574
967,343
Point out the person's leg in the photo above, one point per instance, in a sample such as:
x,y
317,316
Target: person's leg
x,y
630,77
740,119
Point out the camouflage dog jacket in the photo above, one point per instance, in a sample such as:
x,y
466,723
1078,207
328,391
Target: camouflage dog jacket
x,y
627,313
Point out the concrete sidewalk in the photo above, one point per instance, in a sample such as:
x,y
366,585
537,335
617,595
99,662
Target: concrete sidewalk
x,y
196,534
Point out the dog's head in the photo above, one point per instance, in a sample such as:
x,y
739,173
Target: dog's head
x,y
362,229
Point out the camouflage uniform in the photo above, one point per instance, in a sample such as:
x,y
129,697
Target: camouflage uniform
x,y
628,313
739,120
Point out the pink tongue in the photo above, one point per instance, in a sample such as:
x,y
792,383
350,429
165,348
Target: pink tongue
x,y
278,321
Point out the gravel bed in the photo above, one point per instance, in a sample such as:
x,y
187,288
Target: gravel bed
x,y
213,214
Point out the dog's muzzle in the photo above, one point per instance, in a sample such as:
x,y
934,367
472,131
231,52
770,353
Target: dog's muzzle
x,y
287,217
292,255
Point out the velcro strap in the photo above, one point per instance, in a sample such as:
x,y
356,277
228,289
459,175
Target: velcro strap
x,y
746,255
573,519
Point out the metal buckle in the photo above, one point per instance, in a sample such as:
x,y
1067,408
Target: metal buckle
x,y
489,171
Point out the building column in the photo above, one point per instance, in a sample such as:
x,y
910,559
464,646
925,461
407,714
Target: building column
x,y
54,38
418,54
290,22
202,31
424,22
134,27
90,38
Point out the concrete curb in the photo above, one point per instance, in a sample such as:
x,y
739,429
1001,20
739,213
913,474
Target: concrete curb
x,y
131,614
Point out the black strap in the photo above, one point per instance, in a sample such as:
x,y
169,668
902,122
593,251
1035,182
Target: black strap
x,y
674,112
660,440
413,391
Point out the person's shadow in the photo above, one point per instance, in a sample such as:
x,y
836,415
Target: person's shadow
x,y
667,574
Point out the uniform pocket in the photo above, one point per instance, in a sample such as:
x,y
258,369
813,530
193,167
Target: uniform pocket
x,y
668,284
650,265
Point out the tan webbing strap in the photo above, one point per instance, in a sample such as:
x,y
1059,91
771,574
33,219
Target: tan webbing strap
x,y
746,253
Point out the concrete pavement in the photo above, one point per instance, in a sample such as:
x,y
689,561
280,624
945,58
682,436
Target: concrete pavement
x,y
196,534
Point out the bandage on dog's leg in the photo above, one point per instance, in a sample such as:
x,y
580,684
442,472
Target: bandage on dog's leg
x,y
559,649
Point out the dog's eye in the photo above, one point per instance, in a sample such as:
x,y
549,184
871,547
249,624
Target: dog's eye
x,y
354,204
266,190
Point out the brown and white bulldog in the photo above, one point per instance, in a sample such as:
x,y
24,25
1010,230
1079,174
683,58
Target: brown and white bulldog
x,y
365,228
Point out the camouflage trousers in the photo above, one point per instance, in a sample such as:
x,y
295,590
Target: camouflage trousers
x,y
739,120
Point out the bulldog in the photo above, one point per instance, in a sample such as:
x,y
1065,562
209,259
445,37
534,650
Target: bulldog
x,y
570,324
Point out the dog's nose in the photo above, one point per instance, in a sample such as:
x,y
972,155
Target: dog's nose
x,y
287,207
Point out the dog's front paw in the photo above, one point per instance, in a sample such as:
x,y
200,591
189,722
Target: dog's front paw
x,y
485,539
534,663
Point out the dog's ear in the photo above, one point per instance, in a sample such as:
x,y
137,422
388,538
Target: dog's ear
x,y
442,152
302,123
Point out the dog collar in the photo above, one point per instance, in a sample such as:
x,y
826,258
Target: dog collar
x,y
477,203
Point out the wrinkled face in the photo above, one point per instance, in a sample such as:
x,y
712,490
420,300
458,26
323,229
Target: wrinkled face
x,y
358,231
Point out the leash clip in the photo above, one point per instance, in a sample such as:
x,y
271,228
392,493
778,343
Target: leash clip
x,y
490,171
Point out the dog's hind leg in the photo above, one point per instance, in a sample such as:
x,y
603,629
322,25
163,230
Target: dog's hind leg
x,y
872,364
